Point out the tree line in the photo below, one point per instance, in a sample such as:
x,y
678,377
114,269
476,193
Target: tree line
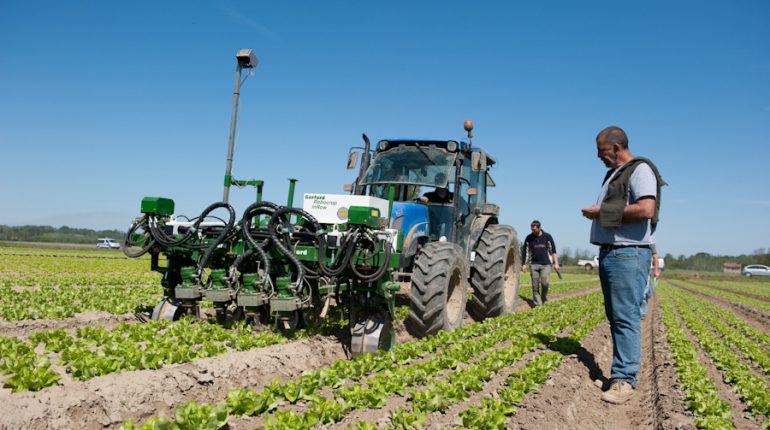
x,y
39,233
701,261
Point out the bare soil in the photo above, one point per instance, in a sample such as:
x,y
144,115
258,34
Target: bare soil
x,y
107,401
571,400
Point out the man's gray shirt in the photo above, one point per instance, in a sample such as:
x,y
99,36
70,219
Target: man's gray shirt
x,y
642,183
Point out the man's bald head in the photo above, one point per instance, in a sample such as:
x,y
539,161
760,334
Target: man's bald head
x,y
612,135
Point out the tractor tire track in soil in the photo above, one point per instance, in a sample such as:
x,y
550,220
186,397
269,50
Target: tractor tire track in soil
x,y
571,400
109,400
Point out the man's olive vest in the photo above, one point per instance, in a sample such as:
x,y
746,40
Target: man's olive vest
x,y
616,199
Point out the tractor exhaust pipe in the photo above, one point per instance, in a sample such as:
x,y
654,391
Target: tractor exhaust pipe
x,y
365,160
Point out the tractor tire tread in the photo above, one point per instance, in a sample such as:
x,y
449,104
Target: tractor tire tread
x,y
489,271
432,272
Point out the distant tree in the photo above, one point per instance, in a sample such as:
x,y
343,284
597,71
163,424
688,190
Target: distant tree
x,y
565,256
64,234
583,254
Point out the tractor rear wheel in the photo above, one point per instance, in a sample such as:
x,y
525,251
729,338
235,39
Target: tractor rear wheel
x,y
437,298
495,273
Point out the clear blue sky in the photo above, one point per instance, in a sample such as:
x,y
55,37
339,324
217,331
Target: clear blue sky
x,y
104,102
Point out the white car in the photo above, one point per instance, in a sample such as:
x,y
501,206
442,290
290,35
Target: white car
x,y
107,243
755,270
589,264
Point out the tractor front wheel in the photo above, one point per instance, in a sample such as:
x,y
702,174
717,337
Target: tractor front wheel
x,y
495,274
437,298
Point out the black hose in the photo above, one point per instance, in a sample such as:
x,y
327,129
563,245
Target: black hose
x,y
347,247
258,208
162,238
377,274
283,247
204,260
127,241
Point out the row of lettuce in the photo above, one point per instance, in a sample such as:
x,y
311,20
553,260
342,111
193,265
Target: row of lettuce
x,y
695,326
430,375
92,351
433,376
61,285
25,268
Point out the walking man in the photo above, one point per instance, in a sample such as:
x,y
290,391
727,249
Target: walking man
x,y
623,226
539,249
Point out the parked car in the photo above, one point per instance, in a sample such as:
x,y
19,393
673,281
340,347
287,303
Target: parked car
x,y
107,243
589,264
755,270
594,263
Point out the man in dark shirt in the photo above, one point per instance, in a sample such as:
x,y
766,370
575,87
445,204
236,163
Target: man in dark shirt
x,y
441,194
539,249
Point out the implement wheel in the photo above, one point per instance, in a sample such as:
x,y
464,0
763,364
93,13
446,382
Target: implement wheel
x,y
371,334
495,273
437,298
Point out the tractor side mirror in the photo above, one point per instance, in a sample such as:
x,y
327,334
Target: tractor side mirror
x,y
352,160
478,162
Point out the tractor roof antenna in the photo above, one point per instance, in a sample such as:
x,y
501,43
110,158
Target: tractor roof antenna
x,y
246,60
468,126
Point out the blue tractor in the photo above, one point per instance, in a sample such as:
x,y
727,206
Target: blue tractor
x,y
451,235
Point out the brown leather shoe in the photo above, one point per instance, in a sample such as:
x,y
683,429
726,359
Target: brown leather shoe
x,y
619,392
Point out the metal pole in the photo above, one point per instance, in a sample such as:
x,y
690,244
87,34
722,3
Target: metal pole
x,y
290,200
233,122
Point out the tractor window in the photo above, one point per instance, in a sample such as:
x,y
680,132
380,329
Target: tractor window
x,y
475,180
403,193
410,165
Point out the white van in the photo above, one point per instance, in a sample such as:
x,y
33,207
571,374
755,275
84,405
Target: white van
x,y
107,243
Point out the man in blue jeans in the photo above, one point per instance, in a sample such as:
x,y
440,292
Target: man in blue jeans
x,y
623,226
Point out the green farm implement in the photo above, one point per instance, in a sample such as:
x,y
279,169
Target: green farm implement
x,y
284,267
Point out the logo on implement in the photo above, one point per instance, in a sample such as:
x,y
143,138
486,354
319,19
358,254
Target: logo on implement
x,y
342,213
301,252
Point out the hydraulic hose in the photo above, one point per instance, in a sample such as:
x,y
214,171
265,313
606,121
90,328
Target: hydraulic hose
x,y
127,241
346,252
258,208
243,257
377,274
162,238
224,233
283,247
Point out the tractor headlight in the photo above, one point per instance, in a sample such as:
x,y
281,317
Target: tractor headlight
x,y
383,145
451,146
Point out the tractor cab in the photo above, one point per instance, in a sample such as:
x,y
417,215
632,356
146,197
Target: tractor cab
x,y
449,235
437,187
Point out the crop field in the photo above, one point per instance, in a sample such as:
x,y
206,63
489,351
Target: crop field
x,y
74,354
